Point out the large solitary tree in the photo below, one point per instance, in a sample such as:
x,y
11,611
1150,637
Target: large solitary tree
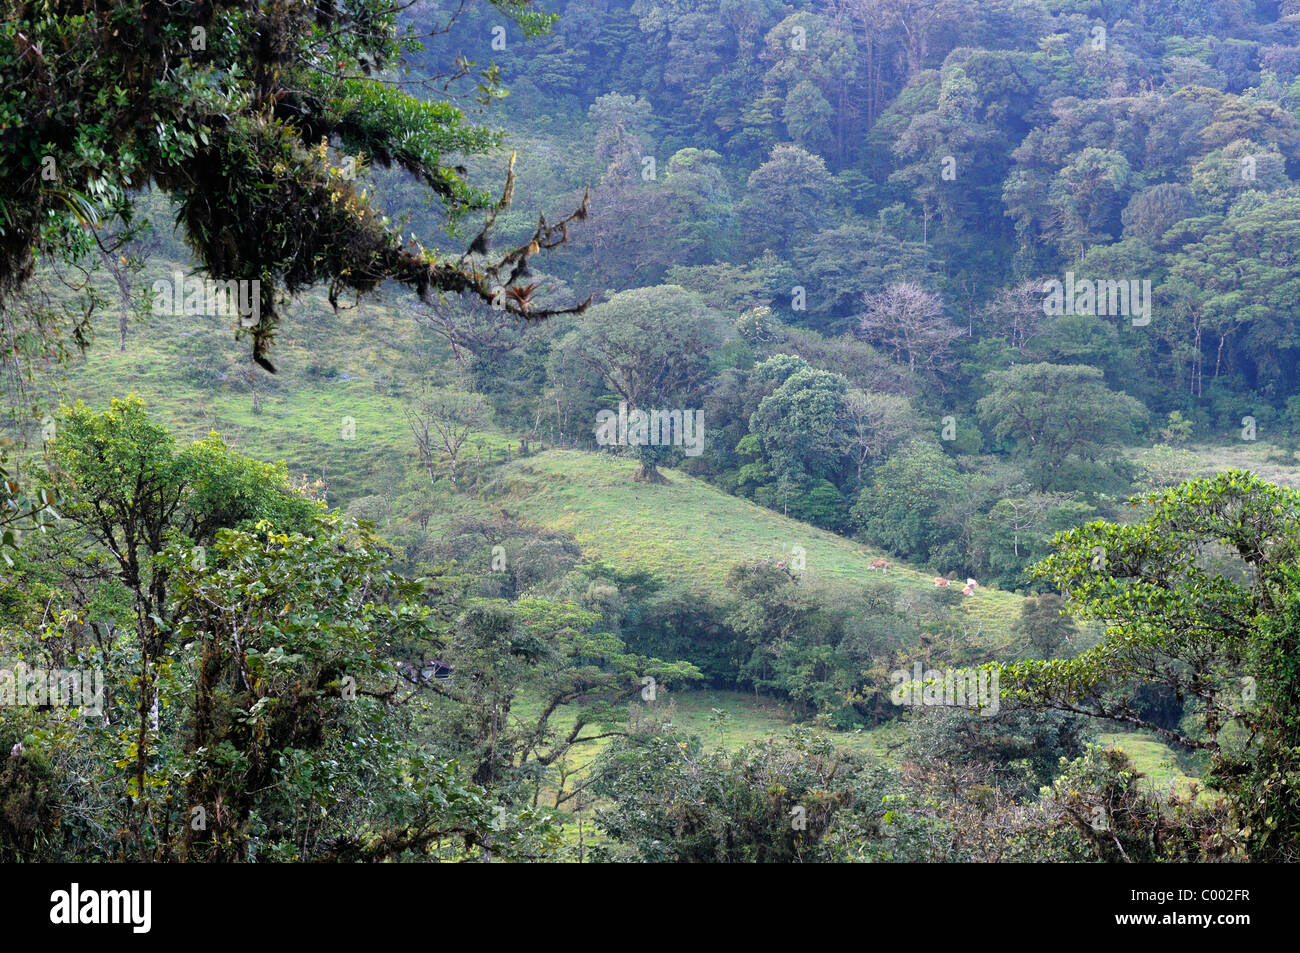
x,y
650,347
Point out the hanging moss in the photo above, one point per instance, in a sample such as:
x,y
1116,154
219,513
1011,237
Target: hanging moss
x,y
231,108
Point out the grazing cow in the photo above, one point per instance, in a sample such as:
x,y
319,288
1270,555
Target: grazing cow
x,y
972,583
880,564
969,590
941,583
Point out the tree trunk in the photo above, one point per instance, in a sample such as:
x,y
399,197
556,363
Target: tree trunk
x,y
648,472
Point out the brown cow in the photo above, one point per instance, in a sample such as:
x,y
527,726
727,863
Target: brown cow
x,y
941,583
969,590
880,564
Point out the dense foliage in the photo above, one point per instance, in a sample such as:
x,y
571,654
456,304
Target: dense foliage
x,y
996,292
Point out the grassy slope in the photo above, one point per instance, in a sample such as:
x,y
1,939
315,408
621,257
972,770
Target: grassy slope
x,y
354,363
1269,461
1152,757
692,532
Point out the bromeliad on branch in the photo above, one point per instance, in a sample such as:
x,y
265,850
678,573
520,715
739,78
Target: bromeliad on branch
x,y
224,106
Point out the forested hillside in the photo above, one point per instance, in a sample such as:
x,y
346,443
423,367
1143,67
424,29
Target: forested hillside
x,y
650,430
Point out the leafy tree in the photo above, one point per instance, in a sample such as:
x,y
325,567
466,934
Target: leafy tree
x,y
286,635
1197,596
770,613
776,370
907,504
1054,413
1017,530
1153,211
1017,751
840,266
787,799
758,327
633,228
620,121
500,654
1244,292
650,347
1043,625
1087,196
798,427
699,201
259,696
129,494
788,198
922,24
1225,175
530,558
955,155
812,64
856,361
807,116
1101,800
1237,118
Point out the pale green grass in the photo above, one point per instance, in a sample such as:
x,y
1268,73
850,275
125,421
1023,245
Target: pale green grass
x,y
691,532
1167,466
1153,758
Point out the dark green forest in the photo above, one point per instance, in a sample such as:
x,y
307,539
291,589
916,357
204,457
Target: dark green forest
x,y
650,431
